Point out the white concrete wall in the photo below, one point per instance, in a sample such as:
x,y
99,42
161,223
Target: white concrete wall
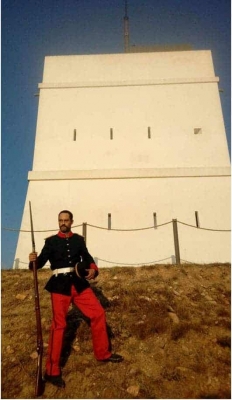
x,y
174,173
132,203
171,111
128,67
172,93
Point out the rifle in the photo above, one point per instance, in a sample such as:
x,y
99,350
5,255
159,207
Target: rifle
x,y
40,384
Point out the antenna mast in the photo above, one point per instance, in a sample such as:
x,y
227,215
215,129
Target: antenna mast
x,y
126,30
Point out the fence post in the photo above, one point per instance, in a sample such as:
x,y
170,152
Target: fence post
x,y
84,231
176,241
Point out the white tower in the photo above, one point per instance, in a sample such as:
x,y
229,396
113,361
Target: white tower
x,y
130,141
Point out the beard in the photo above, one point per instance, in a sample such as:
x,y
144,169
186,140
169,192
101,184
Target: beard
x,y
64,228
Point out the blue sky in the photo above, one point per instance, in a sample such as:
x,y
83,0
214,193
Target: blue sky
x,y
33,29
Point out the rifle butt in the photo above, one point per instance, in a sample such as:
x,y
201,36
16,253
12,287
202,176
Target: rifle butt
x,y
40,383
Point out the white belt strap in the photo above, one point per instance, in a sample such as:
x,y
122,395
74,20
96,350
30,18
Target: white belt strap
x,y
62,270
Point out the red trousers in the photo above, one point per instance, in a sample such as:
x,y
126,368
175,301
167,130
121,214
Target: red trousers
x,y
88,303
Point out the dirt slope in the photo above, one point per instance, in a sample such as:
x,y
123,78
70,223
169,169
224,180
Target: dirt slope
x,y
171,324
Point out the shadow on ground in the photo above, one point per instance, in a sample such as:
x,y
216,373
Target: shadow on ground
x,y
74,319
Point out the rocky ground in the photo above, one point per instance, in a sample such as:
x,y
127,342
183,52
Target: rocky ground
x,y
171,323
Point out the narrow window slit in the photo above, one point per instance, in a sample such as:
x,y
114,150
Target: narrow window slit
x,y
197,219
155,220
109,221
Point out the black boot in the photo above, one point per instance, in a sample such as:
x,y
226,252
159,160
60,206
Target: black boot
x,y
115,358
56,380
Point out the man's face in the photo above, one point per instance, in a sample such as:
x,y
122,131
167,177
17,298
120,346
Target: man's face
x,y
65,222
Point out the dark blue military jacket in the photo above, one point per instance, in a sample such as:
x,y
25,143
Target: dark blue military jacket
x,y
63,252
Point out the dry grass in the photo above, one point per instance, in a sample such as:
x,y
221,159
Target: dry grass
x,y
171,324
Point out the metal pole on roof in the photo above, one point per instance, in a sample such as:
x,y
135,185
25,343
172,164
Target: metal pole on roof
x,y
126,30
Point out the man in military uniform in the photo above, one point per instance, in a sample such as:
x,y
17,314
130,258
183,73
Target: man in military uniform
x,y
66,251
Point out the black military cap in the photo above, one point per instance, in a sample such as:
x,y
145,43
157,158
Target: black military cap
x,y
80,269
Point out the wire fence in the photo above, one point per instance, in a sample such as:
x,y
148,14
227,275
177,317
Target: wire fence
x,y
119,229
205,229
176,260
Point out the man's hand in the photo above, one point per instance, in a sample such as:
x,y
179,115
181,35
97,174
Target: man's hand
x,y
32,257
91,274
